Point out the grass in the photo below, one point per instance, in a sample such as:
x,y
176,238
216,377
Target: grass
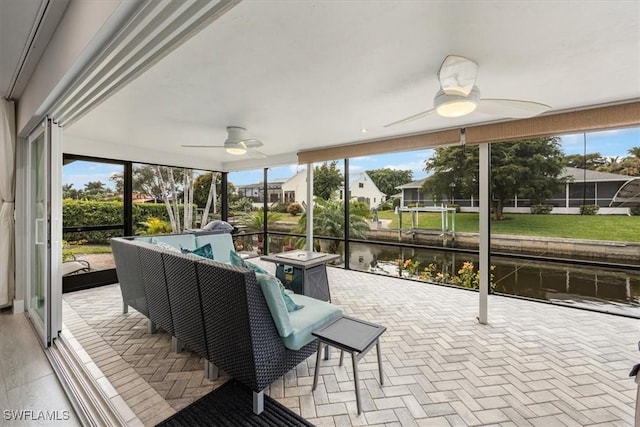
x,y
87,249
590,227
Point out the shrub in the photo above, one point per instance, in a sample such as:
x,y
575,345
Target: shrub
x,y
294,209
155,226
635,211
243,204
589,209
396,202
280,208
97,212
386,206
541,209
454,206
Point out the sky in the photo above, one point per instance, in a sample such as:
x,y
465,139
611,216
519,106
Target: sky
x,y
608,143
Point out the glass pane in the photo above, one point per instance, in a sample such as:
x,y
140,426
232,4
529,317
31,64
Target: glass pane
x,y
562,197
92,196
288,188
328,211
172,199
39,228
246,203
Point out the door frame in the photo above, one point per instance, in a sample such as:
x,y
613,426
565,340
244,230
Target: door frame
x,y
52,322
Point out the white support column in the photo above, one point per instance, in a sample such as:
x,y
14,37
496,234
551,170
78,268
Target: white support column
x,y
566,197
310,206
484,218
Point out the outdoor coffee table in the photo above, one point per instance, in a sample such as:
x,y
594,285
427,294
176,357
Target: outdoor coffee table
x,y
354,336
304,272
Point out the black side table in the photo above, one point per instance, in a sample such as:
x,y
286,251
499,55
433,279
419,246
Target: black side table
x,y
354,336
303,272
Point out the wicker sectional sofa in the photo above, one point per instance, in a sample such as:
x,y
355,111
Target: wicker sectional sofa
x,y
214,308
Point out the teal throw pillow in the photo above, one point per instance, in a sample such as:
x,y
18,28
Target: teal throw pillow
x,y
255,268
238,261
203,251
276,304
291,305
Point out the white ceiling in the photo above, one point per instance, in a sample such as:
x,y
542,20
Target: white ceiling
x,y
302,75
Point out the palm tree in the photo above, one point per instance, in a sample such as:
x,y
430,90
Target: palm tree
x,y
255,222
328,221
634,151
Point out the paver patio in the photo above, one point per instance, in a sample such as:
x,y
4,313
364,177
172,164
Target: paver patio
x,y
534,364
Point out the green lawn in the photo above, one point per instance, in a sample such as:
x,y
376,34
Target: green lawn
x,y
87,249
595,227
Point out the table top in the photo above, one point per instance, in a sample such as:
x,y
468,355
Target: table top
x,y
300,258
349,333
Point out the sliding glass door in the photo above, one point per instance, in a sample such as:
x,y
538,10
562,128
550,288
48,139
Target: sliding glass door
x,y
44,232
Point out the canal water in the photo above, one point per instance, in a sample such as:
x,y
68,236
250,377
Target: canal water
x,y
607,290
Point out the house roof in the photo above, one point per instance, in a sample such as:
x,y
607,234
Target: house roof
x,y
271,185
576,175
586,175
413,184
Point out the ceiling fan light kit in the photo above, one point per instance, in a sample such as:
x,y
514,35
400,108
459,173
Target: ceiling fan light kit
x,y
456,105
233,143
236,150
459,96
236,143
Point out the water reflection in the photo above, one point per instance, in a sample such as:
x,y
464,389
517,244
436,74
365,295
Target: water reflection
x,y
608,290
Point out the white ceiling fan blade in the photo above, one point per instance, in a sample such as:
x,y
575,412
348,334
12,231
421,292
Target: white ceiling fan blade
x,y
201,146
457,75
511,108
257,154
411,118
252,143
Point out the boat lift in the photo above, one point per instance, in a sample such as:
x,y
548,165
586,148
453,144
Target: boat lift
x,y
448,218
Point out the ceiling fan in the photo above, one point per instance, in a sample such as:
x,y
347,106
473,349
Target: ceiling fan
x,y
236,143
459,95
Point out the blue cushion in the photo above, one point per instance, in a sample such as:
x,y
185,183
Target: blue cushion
x,y
144,239
273,296
178,241
167,247
221,244
314,315
203,251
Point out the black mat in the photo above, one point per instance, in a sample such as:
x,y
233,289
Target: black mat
x,y
231,404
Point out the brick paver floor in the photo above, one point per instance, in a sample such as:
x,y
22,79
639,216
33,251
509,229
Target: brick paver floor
x,y
533,364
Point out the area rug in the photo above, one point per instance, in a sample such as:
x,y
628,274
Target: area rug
x,y
231,404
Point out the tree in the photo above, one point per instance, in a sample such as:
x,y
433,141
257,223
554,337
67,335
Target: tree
x,y
529,168
172,185
634,152
202,188
387,179
95,190
591,161
145,181
326,180
68,192
629,165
